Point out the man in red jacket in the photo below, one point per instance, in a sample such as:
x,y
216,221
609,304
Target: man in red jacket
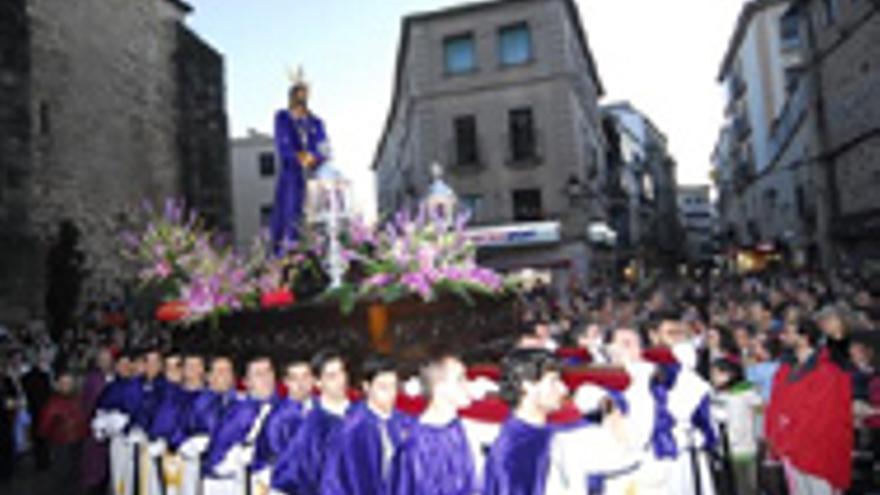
x,y
809,419
64,425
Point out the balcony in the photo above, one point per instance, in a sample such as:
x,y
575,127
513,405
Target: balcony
x,y
741,127
523,151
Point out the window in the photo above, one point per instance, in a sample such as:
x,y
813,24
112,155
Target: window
x,y
790,30
792,77
45,119
514,44
267,164
829,12
460,54
472,203
265,215
522,135
527,205
465,130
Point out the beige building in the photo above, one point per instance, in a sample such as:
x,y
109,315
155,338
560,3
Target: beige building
x,y
254,173
504,95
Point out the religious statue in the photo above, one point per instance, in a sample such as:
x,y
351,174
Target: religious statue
x,y
302,147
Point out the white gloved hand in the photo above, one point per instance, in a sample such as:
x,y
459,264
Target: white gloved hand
x,y
193,447
116,423
157,448
481,387
245,455
100,426
137,436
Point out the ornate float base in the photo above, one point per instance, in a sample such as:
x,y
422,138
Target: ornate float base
x,y
410,330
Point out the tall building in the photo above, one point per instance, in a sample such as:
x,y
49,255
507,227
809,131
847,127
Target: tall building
x,y
766,139
642,187
254,172
504,95
841,53
697,217
105,104
799,159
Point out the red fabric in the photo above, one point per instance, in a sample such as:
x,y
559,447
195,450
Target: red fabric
x,y
172,311
63,420
578,353
490,371
489,410
567,414
810,421
611,378
660,355
278,299
413,405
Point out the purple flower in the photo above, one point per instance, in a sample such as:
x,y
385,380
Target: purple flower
x,y
418,283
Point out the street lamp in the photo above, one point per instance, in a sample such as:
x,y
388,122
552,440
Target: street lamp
x,y
331,207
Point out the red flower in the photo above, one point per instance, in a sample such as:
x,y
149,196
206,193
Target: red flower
x,y
172,311
277,299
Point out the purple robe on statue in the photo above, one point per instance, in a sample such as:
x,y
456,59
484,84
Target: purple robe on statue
x,y
359,459
300,466
434,460
292,136
519,460
95,461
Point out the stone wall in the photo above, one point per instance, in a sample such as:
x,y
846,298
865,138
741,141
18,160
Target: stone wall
x,y
18,264
103,105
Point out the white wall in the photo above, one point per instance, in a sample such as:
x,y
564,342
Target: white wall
x,y
250,191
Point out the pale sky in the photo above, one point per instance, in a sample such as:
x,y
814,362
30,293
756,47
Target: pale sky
x,y
662,55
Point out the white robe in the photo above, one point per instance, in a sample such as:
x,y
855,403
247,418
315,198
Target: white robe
x,y
578,454
685,397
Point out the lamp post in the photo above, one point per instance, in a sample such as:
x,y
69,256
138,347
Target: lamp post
x,y
441,200
331,208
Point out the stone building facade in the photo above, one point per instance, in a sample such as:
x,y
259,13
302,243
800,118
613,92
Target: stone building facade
x,y
842,54
112,103
504,95
642,188
813,195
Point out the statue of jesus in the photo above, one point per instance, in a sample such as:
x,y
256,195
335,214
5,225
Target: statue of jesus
x,y
302,146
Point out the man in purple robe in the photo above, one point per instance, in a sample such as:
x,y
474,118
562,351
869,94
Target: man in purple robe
x,y
437,459
519,460
301,145
300,466
166,427
286,417
110,419
201,419
230,451
359,460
